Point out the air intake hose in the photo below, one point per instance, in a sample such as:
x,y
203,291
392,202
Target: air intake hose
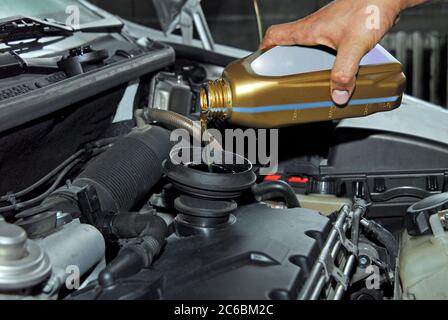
x,y
122,175
129,169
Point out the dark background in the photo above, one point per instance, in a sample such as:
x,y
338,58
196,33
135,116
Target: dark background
x,y
419,39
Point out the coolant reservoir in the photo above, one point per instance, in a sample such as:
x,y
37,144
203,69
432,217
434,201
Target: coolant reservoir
x,y
287,85
424,265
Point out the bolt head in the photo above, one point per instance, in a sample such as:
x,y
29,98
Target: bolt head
x,y
363,261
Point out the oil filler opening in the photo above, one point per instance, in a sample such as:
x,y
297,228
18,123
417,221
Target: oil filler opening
x,y
206,198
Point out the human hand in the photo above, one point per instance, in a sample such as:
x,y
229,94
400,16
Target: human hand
x,y
352,27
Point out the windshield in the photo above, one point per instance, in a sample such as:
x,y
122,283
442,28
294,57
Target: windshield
x,y
66,11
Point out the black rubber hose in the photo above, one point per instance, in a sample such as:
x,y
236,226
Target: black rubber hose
x,y
269,190
383,236
130,260
126,172
131,225
98,147
139,252
56,183
45,178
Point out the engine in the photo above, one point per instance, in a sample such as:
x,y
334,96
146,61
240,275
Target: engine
x,y
211,233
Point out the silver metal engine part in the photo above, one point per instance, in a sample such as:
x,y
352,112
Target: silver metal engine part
x,y
336,248
76,248
169,92
22,262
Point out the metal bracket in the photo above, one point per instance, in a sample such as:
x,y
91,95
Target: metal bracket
x,y
191,15
327,263
346,243
331,270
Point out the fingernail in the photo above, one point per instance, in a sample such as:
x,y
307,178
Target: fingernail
x,y
340,97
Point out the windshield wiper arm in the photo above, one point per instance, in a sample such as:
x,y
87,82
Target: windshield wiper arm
x,y
110,24
21,28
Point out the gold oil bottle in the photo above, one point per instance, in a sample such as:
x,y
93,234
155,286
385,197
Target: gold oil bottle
x,y
283,86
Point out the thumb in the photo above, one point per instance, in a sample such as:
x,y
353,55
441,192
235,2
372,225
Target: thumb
x,y
287,34
345,68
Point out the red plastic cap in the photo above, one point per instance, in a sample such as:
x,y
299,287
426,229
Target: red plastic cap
x,y
298,179
272,177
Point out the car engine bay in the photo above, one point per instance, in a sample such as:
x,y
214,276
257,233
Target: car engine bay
x,y
93,206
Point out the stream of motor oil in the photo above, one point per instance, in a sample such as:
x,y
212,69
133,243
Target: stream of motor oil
x,y
207,158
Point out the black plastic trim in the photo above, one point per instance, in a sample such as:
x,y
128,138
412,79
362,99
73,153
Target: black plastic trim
x,y
41,102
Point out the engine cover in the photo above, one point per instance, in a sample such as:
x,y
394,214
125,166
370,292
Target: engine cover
x,y
265,254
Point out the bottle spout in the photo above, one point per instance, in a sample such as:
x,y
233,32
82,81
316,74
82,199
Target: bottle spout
x,y
216,99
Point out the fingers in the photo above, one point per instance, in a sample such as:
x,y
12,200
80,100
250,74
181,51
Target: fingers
x,y
350,52
345,68
287,34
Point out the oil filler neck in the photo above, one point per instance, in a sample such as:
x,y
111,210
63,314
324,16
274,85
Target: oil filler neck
x,y
216,99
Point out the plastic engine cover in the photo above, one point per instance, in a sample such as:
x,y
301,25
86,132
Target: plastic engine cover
x,y
266,254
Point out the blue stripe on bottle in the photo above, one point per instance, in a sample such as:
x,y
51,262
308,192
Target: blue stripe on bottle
x,y
311,105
